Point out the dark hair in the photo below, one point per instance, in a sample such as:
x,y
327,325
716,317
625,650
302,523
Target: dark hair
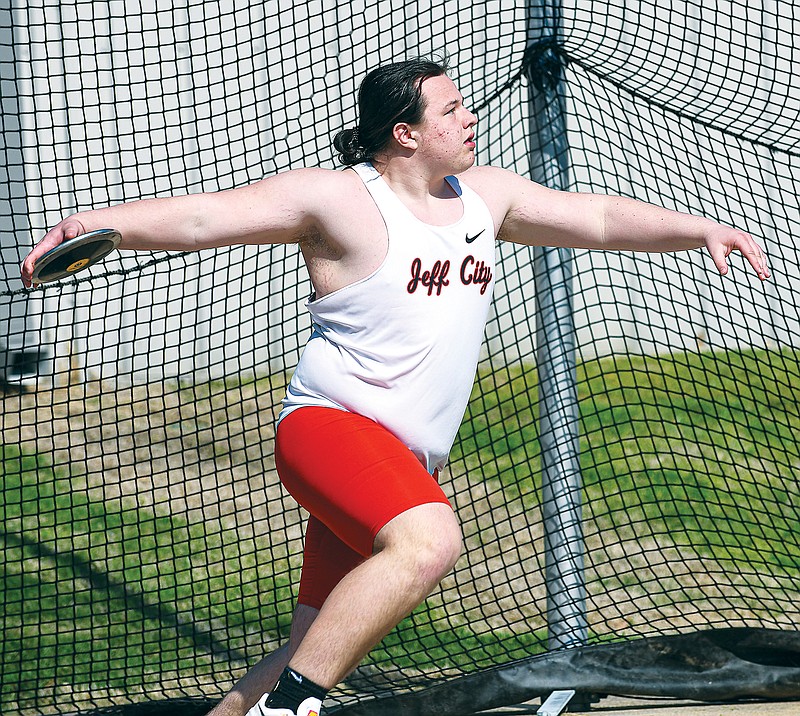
x,y
388,94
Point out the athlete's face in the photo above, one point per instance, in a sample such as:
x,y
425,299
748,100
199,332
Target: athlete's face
x,y
446,134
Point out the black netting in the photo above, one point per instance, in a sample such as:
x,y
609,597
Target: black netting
x,y
150,553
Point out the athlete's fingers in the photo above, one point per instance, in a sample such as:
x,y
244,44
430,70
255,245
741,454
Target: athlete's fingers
x,y
722,242
67,229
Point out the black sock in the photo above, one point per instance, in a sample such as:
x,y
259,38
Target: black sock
x,y
292,689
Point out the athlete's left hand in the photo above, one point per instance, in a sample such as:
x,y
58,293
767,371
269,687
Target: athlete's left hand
x,y
721,241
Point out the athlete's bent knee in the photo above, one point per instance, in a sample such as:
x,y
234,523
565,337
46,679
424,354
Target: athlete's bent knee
x,y
427,539
436,557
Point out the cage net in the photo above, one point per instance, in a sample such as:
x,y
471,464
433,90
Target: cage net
x,y
150,554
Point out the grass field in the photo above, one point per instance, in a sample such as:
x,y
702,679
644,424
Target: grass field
x,y
100,588
700,446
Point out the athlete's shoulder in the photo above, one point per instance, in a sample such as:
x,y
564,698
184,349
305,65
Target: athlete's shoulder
x,y
503,187
488,176
344,180
494,185
335,202
316,177
311,189
339,190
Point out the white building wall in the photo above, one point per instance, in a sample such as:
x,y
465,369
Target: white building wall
x,y
200,96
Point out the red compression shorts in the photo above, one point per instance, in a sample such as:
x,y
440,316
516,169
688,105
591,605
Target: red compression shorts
x,y
353,476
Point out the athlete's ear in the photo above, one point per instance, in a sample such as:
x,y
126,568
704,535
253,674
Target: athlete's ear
x,y
405,136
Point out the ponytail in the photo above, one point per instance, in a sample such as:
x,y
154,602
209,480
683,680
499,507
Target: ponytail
x,y
347,144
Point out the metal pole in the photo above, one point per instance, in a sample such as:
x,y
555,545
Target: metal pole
x,y
555,340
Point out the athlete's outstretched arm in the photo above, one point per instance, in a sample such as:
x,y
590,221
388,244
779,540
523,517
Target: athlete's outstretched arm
x,y
278,209
537,216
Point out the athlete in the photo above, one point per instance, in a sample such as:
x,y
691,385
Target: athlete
x,y
400,253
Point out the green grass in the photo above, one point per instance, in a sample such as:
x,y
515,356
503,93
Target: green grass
x,y
422,642
699,447
499,438
699,450
94,590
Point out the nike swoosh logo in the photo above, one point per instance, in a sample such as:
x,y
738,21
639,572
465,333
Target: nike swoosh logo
x,y
470,239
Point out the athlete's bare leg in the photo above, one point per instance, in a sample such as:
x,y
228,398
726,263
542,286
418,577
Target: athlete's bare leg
x,y
264,675
412,554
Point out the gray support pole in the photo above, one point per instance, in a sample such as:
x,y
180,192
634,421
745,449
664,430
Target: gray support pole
x,y
555,352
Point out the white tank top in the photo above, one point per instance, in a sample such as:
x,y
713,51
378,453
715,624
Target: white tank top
x,y
401,346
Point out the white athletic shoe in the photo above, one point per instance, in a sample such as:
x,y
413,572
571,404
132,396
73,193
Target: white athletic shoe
x,y
309,707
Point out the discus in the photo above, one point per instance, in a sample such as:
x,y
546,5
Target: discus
x,y
74,255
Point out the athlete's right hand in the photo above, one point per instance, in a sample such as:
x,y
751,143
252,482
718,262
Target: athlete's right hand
x,y
69,228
